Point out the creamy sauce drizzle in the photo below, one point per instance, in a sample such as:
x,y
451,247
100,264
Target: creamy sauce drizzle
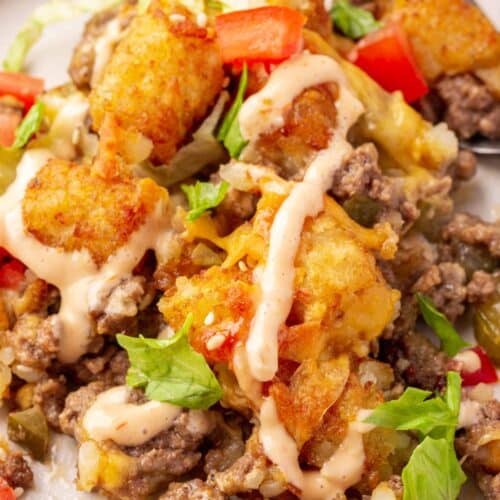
x,y
260,112
112,417
73,273
343,469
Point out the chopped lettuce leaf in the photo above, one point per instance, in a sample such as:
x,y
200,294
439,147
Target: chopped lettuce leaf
x,y
29,125
48,13
451,342
414,411
170,370
203,196
353,21
229,133
433,472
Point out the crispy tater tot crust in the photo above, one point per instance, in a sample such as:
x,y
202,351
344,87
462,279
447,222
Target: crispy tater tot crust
x,y
162,78
71,207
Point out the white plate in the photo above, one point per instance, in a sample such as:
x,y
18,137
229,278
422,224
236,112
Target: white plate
x,y
50,59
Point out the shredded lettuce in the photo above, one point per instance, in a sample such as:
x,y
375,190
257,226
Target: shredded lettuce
x,y
203,150
204,196
451,342
170,370
44,15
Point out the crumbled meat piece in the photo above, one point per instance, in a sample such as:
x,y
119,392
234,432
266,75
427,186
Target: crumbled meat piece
x,y
465,166
246,474
360,177
470,107
35,340
489,125
50,395
474,231
16,471
175,450
444,283
109,365
480,287
431,107
76,405
236,208
195,489
228,445
415,360
115,305
489,485
357,173
84,54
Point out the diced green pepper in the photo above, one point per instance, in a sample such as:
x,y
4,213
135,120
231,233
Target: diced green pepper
x,y
487,327
29,429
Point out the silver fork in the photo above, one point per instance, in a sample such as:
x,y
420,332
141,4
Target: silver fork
x,y
482,146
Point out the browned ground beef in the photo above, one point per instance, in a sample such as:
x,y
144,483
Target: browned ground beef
x,y
15,470
115,308
195,490
49,394
415,360
370,196
174,451
470,108
474,231
35,340
465,166
444,283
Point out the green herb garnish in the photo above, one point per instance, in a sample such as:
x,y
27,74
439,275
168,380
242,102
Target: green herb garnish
x,y
203,196
29,126
229,133
170,370
353,21
433,471
451,342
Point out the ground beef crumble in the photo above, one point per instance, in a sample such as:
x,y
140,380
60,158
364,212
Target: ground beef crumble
x,y
16,471
470,108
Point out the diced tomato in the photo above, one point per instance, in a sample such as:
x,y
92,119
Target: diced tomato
x,y
266,34
6,492
387,57
12,274
486,374
8,124
23,87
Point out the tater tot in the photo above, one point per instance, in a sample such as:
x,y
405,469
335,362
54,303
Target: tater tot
x,y
162,78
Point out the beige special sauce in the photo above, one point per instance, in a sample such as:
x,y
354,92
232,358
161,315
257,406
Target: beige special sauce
x,y
258,362
262,112
111,416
